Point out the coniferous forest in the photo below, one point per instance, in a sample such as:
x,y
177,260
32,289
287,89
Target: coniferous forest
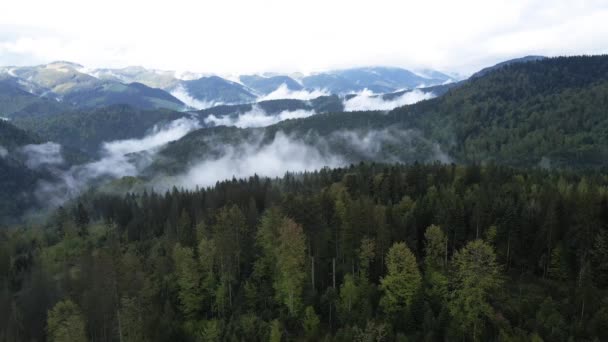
x,y
370,252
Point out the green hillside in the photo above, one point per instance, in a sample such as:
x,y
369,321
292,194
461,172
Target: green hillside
x,y
88,129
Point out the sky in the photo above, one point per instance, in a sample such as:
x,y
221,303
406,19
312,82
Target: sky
x,y
240,36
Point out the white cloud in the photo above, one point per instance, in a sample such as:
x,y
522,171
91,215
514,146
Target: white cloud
x,y
272,160
366,100
116,161
183,95
291,154
257,117
283,92
458,35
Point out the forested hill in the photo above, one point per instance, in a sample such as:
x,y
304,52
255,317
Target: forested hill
x,y
366,253
543,113
86,130
549,112
17,181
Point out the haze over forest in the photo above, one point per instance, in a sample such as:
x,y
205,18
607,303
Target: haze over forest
x,y
304,171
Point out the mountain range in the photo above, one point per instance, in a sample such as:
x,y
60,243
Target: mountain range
x,y
73,86
532,112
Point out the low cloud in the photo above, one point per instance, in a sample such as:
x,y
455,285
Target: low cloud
x,y
183,95
287,153
274,159
367,100
3,152
283,92
257,117
46,154
119,159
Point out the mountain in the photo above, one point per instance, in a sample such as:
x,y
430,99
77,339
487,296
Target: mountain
x,y
525,59
266,85
322,104
135,74
15,102
376,79
86,130
65,82
550,113
216,90
106,93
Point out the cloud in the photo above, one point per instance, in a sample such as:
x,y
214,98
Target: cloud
x,y
46,154
183,95
289,153
119,158
283,92
257,117
3,152
367,100
274,159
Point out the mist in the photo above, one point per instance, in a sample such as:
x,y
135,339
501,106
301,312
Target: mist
x,y
288,153
183,95
367,100
257,117
38,155
283,92
119,159
274,159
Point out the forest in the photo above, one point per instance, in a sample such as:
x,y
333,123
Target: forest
x,y
368,252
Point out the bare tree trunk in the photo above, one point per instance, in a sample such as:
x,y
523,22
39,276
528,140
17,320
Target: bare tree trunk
x,y
312,272
583,309
119,325
333,262
445,259
508,249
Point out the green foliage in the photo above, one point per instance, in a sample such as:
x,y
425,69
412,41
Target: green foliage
x,y
436,248
253,246
188,279
290,254
402,281
86,130
65,323
476,276
310,323
275,331
131,320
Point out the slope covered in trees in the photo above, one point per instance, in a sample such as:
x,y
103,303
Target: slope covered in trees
x,y
373,252
88,129
540,113
548,112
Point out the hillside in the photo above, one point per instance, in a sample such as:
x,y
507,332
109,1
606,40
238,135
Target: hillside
x,y
16,102
18,181
217,90
547,113
88,129
266,85
66,82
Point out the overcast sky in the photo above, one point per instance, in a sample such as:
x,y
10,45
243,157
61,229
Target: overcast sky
x,y
231,36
